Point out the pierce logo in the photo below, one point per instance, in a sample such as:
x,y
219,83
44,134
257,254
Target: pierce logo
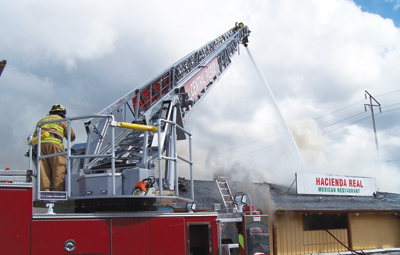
x,y
70,245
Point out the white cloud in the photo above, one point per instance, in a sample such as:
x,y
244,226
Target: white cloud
x,y
59,32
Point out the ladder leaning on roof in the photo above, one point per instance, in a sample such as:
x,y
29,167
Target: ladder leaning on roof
x,y
227,196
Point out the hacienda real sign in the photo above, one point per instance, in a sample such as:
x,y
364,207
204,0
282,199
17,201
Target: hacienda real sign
x,y
322,184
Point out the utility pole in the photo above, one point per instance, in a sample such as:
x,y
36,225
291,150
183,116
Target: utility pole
x,y
371,106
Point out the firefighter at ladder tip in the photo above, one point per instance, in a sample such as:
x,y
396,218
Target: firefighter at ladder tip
x,y
52,170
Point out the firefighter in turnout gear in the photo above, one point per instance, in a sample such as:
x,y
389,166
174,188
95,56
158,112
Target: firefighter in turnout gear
x,y
52,169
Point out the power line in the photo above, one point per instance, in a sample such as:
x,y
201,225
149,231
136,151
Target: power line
x,y
346,125
388,93
355,114
339,109
384,94
252,142
237,147
358,121
391,159
252,152
243,145
391,110
390,105
342,120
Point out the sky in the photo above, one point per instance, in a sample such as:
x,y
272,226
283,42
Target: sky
x,y
317,57
389,9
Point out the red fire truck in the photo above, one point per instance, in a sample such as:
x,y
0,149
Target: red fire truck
x,y
121,183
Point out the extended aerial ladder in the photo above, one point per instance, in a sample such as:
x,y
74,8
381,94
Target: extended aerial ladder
x,y
128,139
173,92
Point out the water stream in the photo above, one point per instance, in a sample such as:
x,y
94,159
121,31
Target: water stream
x,y
282,120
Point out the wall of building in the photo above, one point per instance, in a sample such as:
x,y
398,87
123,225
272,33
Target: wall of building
x,y
291,238
374,230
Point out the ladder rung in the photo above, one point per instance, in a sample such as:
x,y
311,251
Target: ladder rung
x,y
226,194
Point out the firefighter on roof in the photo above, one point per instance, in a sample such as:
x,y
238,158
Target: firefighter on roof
x,y
52,169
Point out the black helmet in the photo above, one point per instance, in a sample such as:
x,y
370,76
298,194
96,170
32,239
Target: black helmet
x,y
59,110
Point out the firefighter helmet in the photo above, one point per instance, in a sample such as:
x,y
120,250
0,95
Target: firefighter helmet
x,y
59,110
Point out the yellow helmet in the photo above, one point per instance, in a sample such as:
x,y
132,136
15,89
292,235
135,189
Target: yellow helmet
x,y
59,110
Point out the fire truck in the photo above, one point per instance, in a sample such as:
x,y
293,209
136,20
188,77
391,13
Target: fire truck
x,y
121,183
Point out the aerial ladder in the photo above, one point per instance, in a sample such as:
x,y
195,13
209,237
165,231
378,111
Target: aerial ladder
x,y
136,134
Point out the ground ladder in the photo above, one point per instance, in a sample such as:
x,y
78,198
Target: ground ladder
x,y
227,196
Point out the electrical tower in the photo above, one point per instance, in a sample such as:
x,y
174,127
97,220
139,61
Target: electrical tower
x,y
371,107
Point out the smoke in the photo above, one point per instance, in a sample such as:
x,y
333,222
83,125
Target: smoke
x,y
247,178
349,156
244,177
309,140
260,196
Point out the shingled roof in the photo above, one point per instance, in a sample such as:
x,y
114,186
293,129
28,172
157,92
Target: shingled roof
x,y
282,199
381,201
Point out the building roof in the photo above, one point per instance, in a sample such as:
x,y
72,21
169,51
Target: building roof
x,y
268,197
381,201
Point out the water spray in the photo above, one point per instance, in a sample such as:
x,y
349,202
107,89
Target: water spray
x,y
286,127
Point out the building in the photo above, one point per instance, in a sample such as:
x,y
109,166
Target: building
x,y
313,224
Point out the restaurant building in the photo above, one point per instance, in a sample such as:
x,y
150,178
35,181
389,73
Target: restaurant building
x,y
320,214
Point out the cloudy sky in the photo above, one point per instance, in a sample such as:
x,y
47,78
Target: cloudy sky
x,y
317,57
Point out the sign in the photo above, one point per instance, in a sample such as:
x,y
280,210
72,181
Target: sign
x,y
322,184
195,85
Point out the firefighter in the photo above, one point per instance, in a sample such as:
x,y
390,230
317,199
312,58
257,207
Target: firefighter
x,y
52,169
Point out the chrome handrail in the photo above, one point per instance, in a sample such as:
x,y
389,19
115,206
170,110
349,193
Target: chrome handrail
x,y
173,156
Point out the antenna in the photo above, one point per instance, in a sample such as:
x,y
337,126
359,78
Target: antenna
x,y
371,107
